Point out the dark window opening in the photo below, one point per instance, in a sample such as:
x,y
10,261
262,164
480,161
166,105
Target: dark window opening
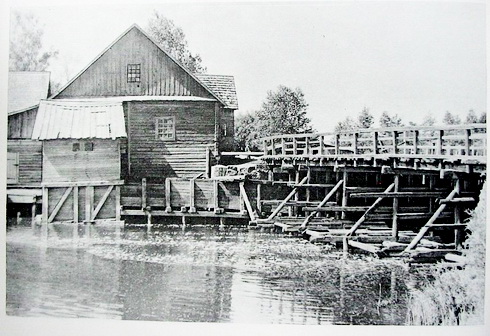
x,y
89,146
76,147
134,73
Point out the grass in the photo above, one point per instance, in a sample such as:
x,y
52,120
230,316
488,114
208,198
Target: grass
x,y
456,296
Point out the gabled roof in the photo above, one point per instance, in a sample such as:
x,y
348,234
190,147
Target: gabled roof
x,y
135,26
223,86
26,89
60,119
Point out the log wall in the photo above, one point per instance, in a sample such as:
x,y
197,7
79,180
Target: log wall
x,y
185,156
29,169
62,164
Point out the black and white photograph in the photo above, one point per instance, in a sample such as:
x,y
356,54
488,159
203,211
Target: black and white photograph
x,y
246,164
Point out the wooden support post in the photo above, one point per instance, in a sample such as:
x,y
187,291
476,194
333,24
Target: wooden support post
x,y
394,227
457,217
439,142
295,146
216,195
322,145
308,181
337,144
33,215
296,195
395,139
45,210
344,191
467,141
143,193
18,219
354,142
184,223
192,197
75,213
415,142
168,203
89,208
208,162
118,203
259,198
375,143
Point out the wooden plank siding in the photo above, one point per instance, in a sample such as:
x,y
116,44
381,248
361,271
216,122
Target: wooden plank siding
x,y
227,125
20,125
29,161
62,164
185,156
160,75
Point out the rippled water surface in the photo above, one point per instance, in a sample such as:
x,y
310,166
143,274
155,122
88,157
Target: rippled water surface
x,y
201,275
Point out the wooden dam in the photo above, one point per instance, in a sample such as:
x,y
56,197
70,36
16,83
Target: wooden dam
x,y
390,192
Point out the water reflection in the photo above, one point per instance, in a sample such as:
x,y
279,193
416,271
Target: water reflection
x,y
201,275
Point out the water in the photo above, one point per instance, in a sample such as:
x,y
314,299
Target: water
x,y
202,275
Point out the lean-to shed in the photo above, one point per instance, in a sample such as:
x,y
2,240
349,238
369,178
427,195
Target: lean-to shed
x,y
81,140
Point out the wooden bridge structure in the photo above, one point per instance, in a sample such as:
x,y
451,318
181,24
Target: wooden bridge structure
x,y
392,191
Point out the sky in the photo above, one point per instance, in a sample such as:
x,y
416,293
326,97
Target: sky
x,y
409,58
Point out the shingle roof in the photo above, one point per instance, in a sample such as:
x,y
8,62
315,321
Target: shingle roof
x,y
58,119
26,89
223,87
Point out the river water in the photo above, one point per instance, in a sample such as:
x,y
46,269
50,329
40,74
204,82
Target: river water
x,y
201,275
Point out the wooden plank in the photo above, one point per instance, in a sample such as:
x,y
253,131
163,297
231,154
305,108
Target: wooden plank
x,y
397,194
337,208
82,183
192,197
457,200
168,193
364,246
102,202
60,204
243,193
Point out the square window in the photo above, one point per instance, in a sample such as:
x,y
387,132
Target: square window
x,y
134,73
165,128
89,146
76,147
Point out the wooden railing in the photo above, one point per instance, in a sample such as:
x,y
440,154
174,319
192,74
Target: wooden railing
x,y
418,142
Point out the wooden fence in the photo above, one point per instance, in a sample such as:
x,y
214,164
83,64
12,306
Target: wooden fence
x,y
414,142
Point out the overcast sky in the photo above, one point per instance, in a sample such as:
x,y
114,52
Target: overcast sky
x,y
410,58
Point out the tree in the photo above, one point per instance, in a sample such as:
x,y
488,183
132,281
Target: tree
x,y
172,39
365,119
450,119
346,125
247,132
26,52
284,112
483,118
428,120
471,117
387,120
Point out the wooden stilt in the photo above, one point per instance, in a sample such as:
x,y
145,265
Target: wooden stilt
x,y
344,192
457,217
18,219
394,232
33,216
184,223
259,199
44,221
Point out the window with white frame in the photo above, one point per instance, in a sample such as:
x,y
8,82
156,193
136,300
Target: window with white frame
x,y
165,128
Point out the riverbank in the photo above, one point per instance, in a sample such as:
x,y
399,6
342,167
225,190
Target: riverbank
x,y
456,296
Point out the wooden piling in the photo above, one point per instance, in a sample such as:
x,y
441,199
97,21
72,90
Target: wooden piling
x,y
394,232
